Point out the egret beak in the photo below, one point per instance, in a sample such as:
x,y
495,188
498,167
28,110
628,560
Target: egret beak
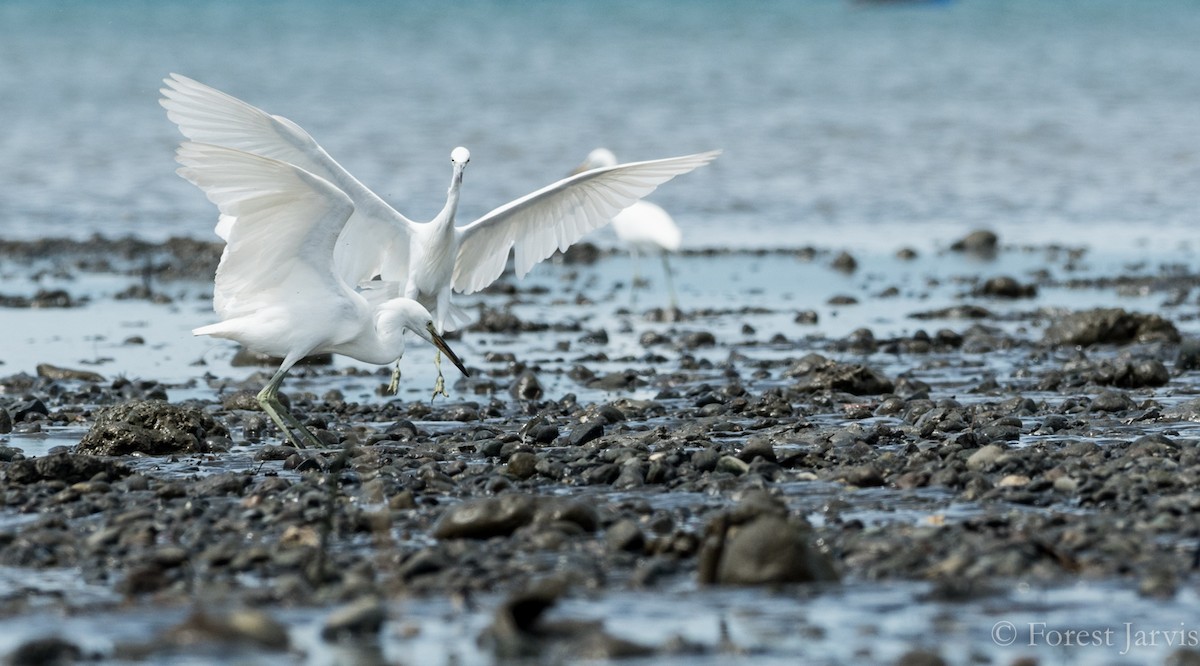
x,y
445,349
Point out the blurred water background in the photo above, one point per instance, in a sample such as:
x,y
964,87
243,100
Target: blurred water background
x,y
852,124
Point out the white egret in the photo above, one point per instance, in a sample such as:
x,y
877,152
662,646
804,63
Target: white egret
x,y
643,227
276,290
426,261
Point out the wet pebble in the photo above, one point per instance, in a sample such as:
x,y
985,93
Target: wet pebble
x,y
1111,401
1005,287
980,242
526,386
358,620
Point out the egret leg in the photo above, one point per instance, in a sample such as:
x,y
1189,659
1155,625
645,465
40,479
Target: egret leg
x,y
443,311
268,399
670,282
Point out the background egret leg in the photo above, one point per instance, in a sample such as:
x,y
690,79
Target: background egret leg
x,y
268,399
670,282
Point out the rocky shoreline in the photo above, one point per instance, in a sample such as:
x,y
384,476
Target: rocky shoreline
x,y
1077,461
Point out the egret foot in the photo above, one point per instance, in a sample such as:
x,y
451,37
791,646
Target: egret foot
x,y
292,428
439,386
393,386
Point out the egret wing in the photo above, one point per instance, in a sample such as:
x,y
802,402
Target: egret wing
x,y
287,223
376,236
556,216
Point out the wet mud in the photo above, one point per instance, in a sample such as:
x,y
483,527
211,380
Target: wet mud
x,y
997,442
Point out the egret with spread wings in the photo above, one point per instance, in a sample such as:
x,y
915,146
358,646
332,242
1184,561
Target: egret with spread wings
x,y
276,289
425,261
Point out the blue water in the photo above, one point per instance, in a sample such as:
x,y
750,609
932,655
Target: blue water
x,y
845,123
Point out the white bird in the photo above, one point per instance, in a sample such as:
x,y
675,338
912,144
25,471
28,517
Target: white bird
x,y
426,261
276,290
643,227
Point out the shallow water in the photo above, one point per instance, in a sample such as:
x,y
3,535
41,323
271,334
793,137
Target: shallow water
x,y
855,623
847,124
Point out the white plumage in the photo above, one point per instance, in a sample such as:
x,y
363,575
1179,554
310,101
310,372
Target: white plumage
x,y
276,289
426,261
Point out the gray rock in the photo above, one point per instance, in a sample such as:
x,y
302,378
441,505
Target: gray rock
x,y
526,386
625,535
522,464
985,458
980,242
1113,326
1111,401
586,432
485,518
771,550
149,427
359,619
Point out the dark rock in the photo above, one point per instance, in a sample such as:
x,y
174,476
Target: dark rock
x,y
6,422
954,312
48,651
1112,326
980,242
54,372
553,510
617,381
698,339
485,518
586,432
522,464
768,550
817,373
1111,401
526,386
501,516
228,483
1005,287
1188,357
806,318
758,447
355,621
502,321
582,252
150,428
65,467
33,406
845,263
920,657
625,535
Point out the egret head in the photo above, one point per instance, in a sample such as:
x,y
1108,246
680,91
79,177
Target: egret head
x,y
399,314
458,159
600,157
